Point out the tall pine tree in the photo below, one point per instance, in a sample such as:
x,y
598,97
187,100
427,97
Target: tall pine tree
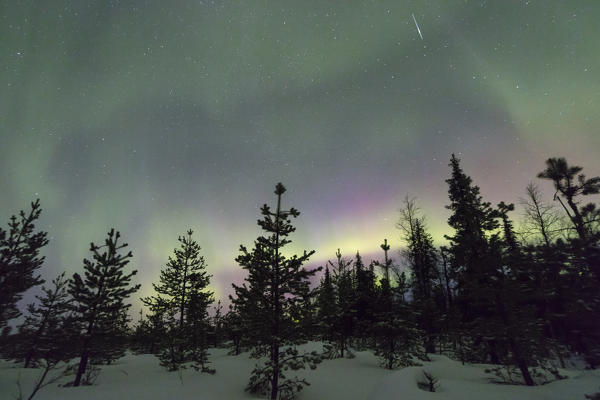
x,y
275,285
99,299
582,272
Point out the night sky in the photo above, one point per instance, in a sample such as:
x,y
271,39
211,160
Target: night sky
x,y
158,116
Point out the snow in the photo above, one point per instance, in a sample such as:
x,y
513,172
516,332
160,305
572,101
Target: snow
x,y
459,382
140,376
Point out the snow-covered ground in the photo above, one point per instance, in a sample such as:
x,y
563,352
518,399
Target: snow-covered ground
x,y
140,377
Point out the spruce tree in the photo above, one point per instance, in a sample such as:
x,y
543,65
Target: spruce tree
x,y
364,301
473,221
327,306
99,299
494,278
20,259
274,286
183,301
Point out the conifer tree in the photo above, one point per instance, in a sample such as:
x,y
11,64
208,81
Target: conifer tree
x,y
473,220
42,320
20,259
570,183
217,324
274,286
53,351
394,331
233,325
344,288
582,272
513,323
183,301
494,279
99,299
327,308
364,301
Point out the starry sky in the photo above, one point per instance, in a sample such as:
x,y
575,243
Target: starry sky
x,y
158,116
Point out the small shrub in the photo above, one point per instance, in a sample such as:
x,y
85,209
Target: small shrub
x,y
429,383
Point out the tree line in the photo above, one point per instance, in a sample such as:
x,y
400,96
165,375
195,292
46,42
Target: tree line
x,y
521,298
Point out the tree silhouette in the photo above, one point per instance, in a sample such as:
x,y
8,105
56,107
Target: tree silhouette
x,y
43,319
99,298
570,184
20,258
275,285
182,301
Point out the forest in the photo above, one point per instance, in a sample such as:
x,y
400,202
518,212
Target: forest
x,y
515,287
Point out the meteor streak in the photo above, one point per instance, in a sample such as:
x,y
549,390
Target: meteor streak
x,y
417,25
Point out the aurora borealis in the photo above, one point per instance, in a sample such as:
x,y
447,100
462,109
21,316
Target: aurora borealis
x,y
158,116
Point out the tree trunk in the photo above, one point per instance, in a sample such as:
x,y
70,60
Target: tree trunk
x,y
28,358
275,377
391,355
40,381
429,344
521,364
276,307
84,355
494,359
82,366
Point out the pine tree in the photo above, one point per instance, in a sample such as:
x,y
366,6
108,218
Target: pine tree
x,y
20,259
344,288
99,299
274,286
42,320
570,183
53,348
197,323
183,301
583,252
